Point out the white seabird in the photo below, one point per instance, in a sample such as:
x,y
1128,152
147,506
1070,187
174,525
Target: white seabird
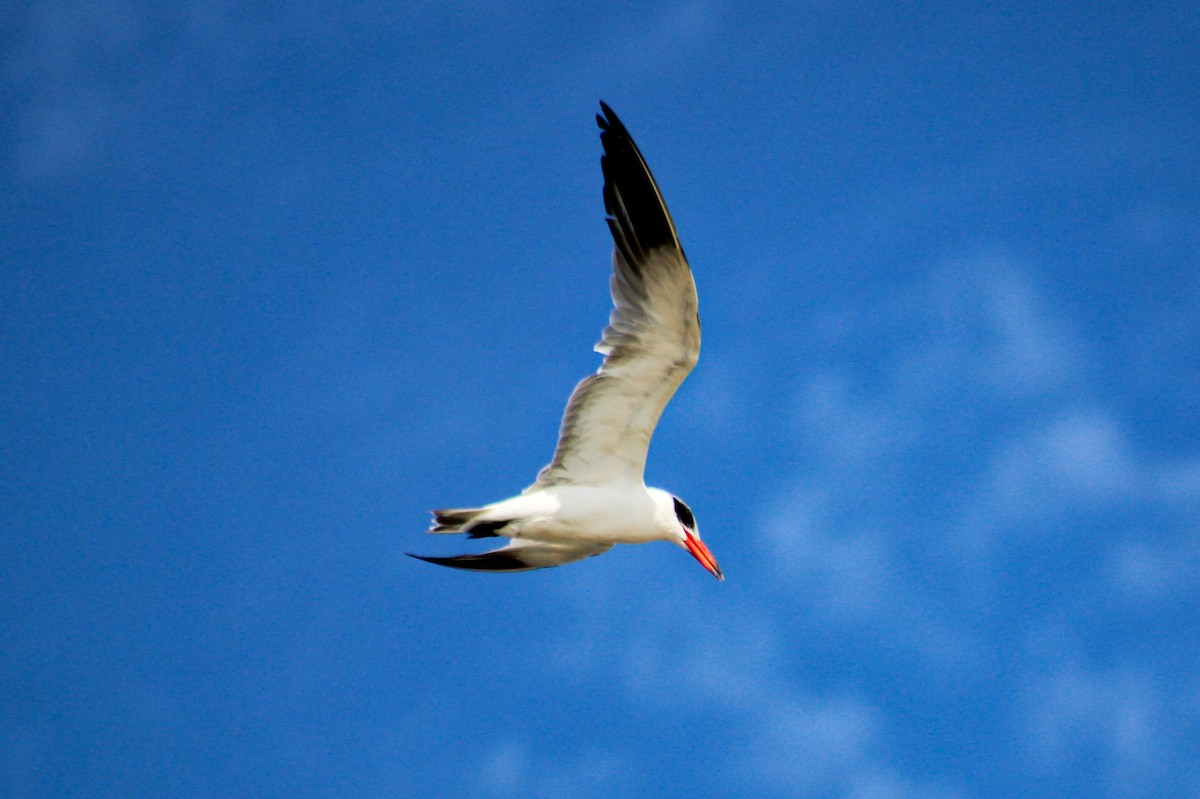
x,y
592,495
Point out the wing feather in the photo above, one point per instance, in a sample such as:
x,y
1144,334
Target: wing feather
x,y
520,554
652,340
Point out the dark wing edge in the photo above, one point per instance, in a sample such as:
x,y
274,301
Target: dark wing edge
x,y
520,555
638,215
498,561
652,340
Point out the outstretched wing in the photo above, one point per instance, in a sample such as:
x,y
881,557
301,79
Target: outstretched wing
x,y
653,336
520,554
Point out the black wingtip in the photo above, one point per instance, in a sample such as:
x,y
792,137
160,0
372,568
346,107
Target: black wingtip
x,y
486,562
610,120
631,196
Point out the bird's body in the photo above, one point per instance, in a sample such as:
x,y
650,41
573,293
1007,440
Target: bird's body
x,y
592,496
566,514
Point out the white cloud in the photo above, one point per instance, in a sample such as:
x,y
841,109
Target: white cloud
x,y
1115,722
674,36
62,61
730,661
1150,570
809,744
1078,458
978,353
511,769
1176,482
503,769
800,744
851,427
847,572
82,73
710,400
978,322
1031,348
1082,462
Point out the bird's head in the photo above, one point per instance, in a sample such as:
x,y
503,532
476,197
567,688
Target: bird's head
x,y
681,527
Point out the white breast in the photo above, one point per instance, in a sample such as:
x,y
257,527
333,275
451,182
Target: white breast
x,y
571,513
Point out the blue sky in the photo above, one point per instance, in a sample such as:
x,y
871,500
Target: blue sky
x,y
278,280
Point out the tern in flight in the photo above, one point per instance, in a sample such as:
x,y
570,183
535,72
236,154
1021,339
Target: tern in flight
x,y
592,495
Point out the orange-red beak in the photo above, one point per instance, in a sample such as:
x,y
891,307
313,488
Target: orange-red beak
x,y
700,552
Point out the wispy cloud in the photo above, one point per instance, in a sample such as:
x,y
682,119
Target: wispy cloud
x,y
64,104
1152,571
1060,464
512,769
730,662
1045,449
504,769
85,75
1123,724
672,35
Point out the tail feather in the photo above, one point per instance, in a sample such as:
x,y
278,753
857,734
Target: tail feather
x,y
463,520
453,520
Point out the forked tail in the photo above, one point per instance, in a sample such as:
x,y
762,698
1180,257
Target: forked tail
x,y
466,520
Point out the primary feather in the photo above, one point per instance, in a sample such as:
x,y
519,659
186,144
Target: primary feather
x,y
652,340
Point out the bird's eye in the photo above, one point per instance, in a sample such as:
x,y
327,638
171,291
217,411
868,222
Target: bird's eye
x,y
684,514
